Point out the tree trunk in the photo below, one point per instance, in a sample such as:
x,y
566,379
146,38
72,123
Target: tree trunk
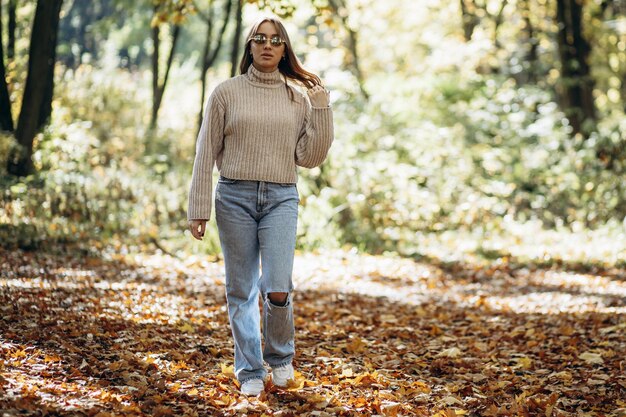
x,y
76,29
67,32
156,46
575,85
40,66
497,21
46,105
205,67
208,56
12,29
532,56
234,53
469,21
85,18
6,116
158,89
352,45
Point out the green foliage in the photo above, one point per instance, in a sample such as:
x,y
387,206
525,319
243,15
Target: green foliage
x,y
102,176
282,8
520,143
459,140
496,151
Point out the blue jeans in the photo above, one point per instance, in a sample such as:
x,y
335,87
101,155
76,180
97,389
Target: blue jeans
x,y
257,223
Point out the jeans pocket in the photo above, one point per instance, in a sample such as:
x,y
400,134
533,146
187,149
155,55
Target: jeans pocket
x,y
291,190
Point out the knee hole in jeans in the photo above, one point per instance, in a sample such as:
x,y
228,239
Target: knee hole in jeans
x,y
279,299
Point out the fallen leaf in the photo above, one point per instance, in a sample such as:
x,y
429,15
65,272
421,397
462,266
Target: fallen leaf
x,y
450,400
390,408
356,345
450,353
228,370
590,357
524,362
186,328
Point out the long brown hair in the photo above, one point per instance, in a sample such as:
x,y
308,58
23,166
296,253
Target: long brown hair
x,y
289,66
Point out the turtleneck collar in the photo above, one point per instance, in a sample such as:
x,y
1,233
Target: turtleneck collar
x,y
264,79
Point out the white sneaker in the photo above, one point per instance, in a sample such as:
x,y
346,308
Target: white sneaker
x,y
282,375
252,387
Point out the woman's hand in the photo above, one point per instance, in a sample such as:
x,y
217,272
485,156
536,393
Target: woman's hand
x,y
319,96
197,228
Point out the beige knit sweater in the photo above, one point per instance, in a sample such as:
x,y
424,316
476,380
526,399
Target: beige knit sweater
x,y
252,130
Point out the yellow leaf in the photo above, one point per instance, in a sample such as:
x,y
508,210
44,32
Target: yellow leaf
x,y
186,328
421,387
228,370
435,331
365,379
613,328
450,400
450,353
193,391
355,346
224,400
323,353
297,383
564,375
595,382
179,365
590,357
446,413
524,363
19,354
481,346
315,398
51,358
155,21
388,318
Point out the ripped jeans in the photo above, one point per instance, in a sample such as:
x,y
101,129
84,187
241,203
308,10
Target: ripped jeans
x,y
257,223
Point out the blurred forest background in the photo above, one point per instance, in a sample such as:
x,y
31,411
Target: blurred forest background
x,y
484,128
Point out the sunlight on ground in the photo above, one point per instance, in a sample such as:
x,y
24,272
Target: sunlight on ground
x,y
529,242
399,280
402,280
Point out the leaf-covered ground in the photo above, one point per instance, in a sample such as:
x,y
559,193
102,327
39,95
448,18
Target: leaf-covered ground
x,y
148,335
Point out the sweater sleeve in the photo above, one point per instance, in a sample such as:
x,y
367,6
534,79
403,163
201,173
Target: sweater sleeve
x,y
316,136
208,145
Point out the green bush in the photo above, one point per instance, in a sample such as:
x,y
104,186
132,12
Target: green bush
x,y
472,157
492,150
101,175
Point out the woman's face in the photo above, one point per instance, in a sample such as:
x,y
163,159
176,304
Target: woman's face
x,y
266,55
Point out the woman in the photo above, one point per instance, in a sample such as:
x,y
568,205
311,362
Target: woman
x,y
257,128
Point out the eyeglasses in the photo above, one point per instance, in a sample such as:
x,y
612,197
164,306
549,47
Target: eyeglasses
x,y
262,39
